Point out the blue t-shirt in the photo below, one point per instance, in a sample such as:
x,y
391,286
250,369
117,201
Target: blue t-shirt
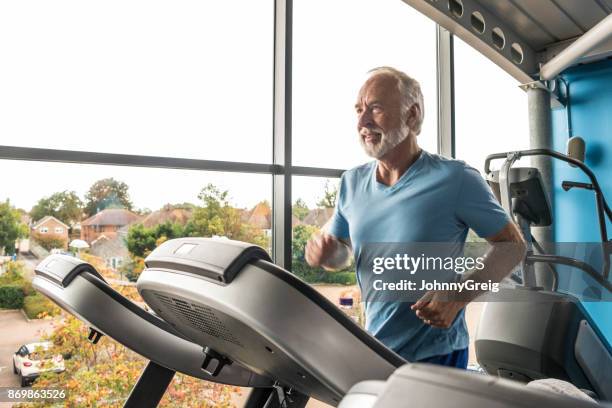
x,y
435,200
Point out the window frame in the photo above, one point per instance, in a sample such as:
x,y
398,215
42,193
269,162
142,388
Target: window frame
x,y
281,168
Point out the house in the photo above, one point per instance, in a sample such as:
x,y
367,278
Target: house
x,y
106,222
112,250
318,216
50,227
168,214
261,217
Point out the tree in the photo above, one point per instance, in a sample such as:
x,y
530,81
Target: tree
x,y
66,206
107,193
11,228
142,240
216,216
300,209
301,235
329,197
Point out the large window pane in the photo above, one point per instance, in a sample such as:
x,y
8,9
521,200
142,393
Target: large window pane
x,y
182,79
335,44
313,206
134,210
490,109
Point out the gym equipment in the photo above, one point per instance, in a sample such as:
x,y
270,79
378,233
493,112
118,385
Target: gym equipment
x,y
263,318
80,290
424,385
547,333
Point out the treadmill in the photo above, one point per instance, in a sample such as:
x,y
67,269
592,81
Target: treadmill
x,y
80,290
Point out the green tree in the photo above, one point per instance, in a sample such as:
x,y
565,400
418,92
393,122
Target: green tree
x,y
329,196
11,227
107,193
300,209
141,240
301,235
66,206
216,216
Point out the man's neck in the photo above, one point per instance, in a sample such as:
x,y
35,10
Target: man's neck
x,y
395,163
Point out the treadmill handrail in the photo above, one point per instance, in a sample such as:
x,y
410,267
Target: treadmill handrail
x,y
311,293
564,260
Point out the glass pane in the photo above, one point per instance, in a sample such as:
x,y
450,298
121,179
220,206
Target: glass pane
x,y
120,220
490,109
330,64
313,205
139,77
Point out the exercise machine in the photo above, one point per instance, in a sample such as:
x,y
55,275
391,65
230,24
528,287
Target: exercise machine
x,y
545,332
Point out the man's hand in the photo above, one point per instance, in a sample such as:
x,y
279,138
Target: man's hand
x,y
435,309
319,249
326,251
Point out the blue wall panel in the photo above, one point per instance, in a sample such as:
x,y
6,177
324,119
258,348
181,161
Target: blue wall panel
x,y
575,211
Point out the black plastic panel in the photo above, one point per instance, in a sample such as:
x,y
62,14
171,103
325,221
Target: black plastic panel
x,y
216,259
62,269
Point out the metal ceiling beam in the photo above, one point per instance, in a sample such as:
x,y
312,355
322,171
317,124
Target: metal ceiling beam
x,y
474,24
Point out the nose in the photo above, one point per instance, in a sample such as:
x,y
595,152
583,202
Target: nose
x,y
365,119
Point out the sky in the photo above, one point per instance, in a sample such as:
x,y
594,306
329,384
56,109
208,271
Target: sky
x,y
193,79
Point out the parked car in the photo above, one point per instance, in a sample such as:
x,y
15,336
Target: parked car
x,y
34,358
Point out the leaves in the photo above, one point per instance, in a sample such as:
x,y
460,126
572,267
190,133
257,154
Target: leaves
x,y
107,193
103,375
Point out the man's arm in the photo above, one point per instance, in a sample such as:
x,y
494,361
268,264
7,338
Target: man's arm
x,y
507,250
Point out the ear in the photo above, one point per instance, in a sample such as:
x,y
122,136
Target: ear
x,y
412,116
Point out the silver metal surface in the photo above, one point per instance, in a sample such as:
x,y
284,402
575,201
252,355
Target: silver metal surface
x,y
281,333
540,136
578,49
281,183
446,92
95,307
541,28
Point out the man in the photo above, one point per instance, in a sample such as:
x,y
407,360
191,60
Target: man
x,y
409,195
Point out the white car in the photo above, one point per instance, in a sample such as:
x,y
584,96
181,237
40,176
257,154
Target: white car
x,y
34,358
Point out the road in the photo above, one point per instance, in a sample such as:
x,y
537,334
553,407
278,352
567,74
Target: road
x,y
15,331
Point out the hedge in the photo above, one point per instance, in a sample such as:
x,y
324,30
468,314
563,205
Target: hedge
x,y
11,297
318,275
36,304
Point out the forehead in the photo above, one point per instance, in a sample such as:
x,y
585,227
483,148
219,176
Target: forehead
x,y
380,87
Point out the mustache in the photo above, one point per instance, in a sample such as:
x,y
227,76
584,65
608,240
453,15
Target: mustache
x,y
366,131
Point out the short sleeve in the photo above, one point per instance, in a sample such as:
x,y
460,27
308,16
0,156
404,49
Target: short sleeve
x,y
477,207
338,225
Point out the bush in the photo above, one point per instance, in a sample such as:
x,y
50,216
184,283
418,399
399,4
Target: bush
x,y
11,297
318,275
37,305
14,277
50,242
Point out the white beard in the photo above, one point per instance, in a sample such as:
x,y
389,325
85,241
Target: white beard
x,y
387,140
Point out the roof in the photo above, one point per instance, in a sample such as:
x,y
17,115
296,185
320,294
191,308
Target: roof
x,y
173,215
46,219
112,216
532,32
318,216
261,216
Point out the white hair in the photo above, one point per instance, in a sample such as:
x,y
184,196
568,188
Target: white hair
x,y
410,91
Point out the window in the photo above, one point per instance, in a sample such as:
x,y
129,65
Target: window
x,y
330,64
490,109
314,203
189,80
43,230
59,230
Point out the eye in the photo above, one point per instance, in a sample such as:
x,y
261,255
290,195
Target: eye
x,y
377,109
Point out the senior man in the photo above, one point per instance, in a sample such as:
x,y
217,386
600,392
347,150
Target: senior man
x,y
410,195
